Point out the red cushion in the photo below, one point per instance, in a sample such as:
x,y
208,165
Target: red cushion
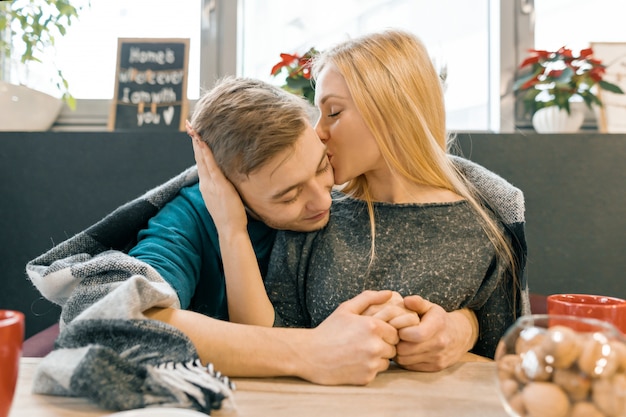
x,y
42,343
538,303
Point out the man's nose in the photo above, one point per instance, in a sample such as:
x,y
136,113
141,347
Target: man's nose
x,y
320,197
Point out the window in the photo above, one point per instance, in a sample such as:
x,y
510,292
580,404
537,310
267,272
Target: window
x,y
479,42
550,24
576,23
456,33
88,53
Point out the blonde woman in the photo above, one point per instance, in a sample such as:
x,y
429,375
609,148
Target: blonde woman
x,y
444,233
431,233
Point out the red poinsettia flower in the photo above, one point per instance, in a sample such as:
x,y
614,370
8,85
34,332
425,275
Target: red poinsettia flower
x,y
595,62
298,68
555,73
567,53
286,60
554,77
536,55
597,73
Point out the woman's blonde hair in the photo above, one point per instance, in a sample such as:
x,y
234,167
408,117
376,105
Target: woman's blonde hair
x,y
399,94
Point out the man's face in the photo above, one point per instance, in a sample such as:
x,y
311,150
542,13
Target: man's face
x,y
292,191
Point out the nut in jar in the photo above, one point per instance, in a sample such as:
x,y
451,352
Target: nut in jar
x,y
545,368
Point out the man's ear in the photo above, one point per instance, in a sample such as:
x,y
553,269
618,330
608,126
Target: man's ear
x,y
250,212
246,206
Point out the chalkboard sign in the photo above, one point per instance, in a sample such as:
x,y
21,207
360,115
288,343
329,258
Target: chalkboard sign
x,y
150,84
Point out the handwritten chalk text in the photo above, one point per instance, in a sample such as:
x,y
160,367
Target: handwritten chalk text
x,y
136,55
133,75
166,95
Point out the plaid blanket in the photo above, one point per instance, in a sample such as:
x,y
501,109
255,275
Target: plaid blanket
x,y
107,350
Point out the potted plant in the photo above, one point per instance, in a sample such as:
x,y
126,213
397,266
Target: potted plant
x,y
28,29
298,73
554,84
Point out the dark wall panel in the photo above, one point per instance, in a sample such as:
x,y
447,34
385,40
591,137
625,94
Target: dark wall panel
x,y
575,190
53,185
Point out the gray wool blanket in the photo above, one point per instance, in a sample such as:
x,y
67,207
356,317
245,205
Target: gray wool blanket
x,y
107,350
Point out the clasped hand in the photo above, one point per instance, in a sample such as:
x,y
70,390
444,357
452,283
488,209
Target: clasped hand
x,y
431,339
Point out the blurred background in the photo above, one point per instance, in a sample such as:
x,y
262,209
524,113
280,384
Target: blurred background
x,y
478,43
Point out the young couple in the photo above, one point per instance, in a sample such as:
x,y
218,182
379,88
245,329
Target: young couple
x,y
418,258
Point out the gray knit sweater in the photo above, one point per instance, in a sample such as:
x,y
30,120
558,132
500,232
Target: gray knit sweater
x,y
438,251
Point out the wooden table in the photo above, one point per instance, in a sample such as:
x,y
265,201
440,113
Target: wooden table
x,y
466,389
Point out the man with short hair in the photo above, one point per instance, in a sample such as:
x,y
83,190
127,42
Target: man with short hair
x,y
157,260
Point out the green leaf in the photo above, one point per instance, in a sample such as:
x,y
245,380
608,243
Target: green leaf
x,y
590,99
298,83
610,87
525,78
566,76
3,20
37,23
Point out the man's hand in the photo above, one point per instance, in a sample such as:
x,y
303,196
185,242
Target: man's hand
x,y
347,347
439,341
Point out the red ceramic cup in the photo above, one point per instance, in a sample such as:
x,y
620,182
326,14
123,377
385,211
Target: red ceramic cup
x,y
11,338
610,309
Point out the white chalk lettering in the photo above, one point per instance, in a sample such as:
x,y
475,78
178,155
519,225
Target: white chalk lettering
x,y
168,115
166,95
136,55
125,98
137,97
133,75
148,118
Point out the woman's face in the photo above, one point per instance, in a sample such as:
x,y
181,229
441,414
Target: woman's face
x,y
352,149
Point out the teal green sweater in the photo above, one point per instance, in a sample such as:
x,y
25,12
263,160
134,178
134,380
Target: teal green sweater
x,y
181,243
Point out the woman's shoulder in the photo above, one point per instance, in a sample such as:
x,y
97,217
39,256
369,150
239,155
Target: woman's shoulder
x,y
498,193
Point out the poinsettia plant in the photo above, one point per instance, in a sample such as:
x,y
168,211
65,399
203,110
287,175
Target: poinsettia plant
x,y
298,73
552,78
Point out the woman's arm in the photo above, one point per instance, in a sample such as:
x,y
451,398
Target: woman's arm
x,y
247,300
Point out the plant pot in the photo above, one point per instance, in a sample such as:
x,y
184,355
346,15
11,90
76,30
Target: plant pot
x,y
27,110
555,120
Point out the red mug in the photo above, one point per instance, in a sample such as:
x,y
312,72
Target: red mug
x,y
11,339
609,309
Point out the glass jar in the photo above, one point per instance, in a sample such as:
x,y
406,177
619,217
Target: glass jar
x,y
562,366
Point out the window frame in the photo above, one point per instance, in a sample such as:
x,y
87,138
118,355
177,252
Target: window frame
x,y
220,49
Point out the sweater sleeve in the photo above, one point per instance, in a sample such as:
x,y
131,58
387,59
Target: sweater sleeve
x,y
507,301
176,240
495,316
